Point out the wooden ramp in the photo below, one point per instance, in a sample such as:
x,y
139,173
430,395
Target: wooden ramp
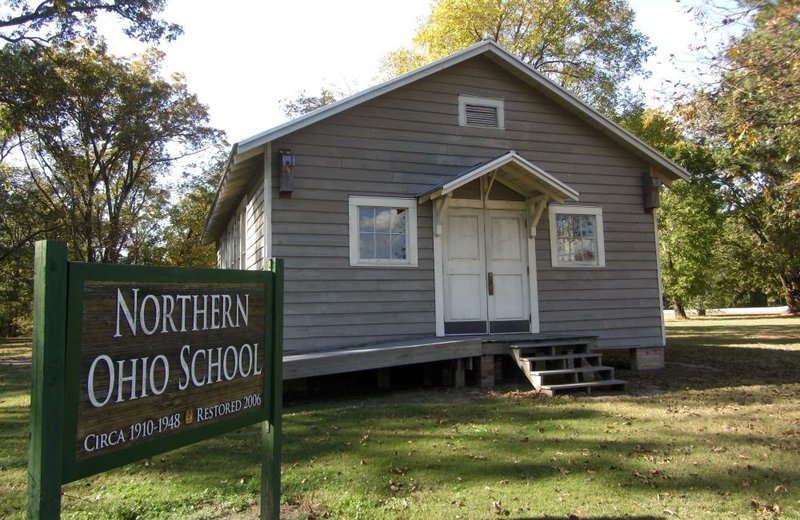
x,y
556,366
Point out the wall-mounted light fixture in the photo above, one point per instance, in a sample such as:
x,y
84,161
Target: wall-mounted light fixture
x,y
287,163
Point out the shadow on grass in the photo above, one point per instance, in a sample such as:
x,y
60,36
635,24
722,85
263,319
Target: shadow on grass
x,y
373,445
707,356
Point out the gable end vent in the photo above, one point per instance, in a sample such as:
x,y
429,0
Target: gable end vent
x,y
480,112
478,115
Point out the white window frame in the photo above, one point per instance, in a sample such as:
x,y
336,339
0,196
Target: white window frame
x,y
565,209
497,104
411,232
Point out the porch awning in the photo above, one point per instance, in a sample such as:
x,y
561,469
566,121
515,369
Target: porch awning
x,y
514,171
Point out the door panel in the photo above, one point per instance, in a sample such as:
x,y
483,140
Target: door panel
x,y
509,299
464,296
505,243
507,261
464,273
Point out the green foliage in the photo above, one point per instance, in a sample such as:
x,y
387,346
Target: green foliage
x,y
53,20
590,48
25,219
98,132
752,120
304,103
187,218
694,267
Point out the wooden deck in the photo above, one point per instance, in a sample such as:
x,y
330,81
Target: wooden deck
x,y
409,352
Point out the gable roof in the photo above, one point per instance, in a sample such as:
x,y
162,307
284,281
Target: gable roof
x,y
513,169
247,149
500,56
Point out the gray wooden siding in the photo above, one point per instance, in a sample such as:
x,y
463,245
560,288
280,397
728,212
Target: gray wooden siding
x,y
404,142
255,225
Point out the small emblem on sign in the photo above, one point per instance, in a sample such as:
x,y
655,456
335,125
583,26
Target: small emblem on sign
x,y
189,416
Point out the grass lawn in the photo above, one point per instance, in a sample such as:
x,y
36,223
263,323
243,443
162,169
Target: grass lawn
x,y
714,435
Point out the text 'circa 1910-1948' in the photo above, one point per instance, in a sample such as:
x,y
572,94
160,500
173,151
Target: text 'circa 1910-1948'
x,y
161,358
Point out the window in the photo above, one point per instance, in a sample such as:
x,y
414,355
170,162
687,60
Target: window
x,y
481,112
576,236
235,241
383,231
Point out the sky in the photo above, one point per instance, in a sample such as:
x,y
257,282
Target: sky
x,y
243,58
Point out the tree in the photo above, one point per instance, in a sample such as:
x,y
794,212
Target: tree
x,y
24,220
752,119
690,219
60,20
97,132
304,103
187,218
589,47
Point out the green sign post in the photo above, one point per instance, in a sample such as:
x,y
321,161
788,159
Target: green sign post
x,y
132,361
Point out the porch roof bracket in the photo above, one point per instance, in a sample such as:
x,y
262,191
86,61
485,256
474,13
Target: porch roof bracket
x,y
491,183
536,208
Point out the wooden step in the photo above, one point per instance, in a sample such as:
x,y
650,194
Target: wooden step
x,y
553,342
562,357
577,370
578,375
566,387
533,350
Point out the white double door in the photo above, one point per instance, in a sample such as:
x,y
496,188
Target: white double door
x,y
486,280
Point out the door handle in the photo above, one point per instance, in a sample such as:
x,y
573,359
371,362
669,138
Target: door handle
x,y
491,284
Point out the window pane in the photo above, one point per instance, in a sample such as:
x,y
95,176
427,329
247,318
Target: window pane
x,y
564,250
585,226
563,226
399,220
398,247
383,219
366,219
366,246
586,251
382,249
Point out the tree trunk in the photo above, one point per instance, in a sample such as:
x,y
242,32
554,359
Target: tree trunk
x,y
793,299
791,287
677,306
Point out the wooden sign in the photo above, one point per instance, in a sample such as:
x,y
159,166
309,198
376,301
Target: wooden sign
x,y
153,358
160,359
